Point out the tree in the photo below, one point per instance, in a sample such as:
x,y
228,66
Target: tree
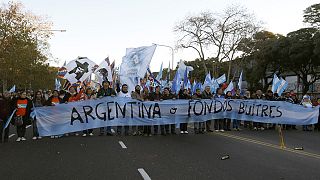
x,y
192,34
259,57
229,28
220,33
24,46
301,55
311,15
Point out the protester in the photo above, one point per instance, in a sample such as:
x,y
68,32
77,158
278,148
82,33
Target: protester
x,y
257,125
156,96
165,96
141,96
306,102
5,112
183,94
219,124
87,96
38,101
125,94
22,115
106,90
206,94
235,122
198,126
54,100
227,120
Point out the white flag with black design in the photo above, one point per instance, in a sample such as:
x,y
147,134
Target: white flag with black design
x,y
79,69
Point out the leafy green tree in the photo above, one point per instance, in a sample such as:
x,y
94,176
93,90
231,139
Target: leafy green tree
x,y
300,54
24,47
311,15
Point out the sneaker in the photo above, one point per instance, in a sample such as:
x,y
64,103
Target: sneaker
x,y
19,139
109,134
181,132
84,135
134,133
216,130
77,134
150,135
186,132
91,134
39,137
262,128
23,139
221,130
255,128
34,138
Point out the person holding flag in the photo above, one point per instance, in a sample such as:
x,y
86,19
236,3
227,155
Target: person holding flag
x,y
106,90
5,111
206,94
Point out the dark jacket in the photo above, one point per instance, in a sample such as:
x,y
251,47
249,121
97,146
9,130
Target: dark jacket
x,y
166,97
206,95
106,92
155,97
5,108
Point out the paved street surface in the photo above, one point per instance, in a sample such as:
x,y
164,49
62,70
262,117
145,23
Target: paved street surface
x,y
253,155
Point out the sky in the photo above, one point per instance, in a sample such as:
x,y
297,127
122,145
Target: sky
x,y
100,28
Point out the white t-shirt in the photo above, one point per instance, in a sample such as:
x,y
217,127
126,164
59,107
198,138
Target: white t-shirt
x,y
121,94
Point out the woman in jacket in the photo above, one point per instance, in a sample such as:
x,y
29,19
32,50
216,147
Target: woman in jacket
x,y
38,101
23,105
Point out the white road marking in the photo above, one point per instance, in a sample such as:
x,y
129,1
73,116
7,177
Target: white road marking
x,y
144,175
11,135
122,145
28,126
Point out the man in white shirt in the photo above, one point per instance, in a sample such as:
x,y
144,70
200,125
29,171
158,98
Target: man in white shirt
x,y
123,93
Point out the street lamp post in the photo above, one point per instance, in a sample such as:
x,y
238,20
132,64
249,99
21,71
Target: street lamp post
x,y
172,52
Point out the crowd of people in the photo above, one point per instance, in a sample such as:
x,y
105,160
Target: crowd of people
x,y
21,105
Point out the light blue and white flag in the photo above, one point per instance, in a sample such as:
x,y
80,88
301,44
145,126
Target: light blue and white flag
x,y
229,88
13,89
189,86
9,120
214,85
57,84
240,81
136,61
275,83
176,83
221,79
282,86
182,68
194,86
159,76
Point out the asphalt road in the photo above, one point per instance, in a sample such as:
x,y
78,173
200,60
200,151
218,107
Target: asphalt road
x,y
253,155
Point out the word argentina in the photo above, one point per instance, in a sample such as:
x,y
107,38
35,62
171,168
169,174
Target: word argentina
x,y
116,111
